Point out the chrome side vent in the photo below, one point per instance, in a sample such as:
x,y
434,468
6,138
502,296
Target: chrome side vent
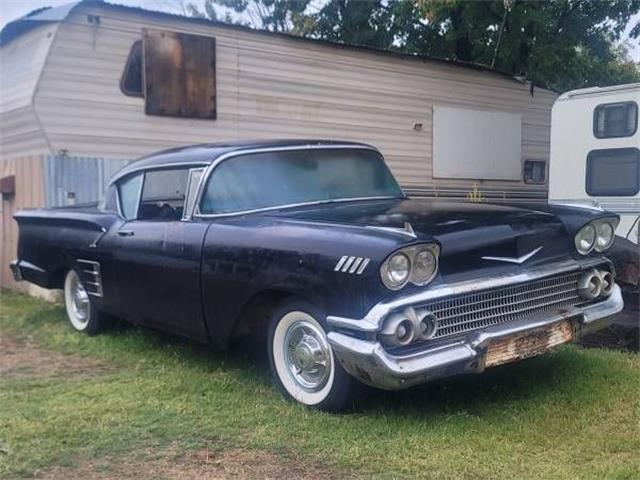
x,y
91,277
348,264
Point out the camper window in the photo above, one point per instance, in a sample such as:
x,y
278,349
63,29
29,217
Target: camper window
x,y
535,171
613,172
613,120
131,82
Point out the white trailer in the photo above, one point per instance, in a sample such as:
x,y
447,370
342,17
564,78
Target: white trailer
x,y
595,161
595,152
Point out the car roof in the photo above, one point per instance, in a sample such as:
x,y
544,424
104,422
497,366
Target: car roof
x,y
206,153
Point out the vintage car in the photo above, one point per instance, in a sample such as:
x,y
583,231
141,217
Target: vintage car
x,y
314,245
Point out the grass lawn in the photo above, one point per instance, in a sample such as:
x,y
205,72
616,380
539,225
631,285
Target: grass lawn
x,y
129,401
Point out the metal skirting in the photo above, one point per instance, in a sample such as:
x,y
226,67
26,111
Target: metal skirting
x,y
77,180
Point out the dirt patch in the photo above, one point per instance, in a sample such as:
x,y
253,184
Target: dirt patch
x,y
201,465
22,358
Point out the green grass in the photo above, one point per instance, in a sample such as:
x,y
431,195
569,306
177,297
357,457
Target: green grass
x,y
574,413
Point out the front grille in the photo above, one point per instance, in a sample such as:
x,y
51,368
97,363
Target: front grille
x,y
465,313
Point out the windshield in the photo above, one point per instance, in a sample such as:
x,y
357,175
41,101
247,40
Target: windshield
x,y
273,179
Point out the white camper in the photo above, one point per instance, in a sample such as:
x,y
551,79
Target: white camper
x,y
595,152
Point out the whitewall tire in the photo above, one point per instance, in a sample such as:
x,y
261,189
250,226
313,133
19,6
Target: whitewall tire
x,y
81,311
302,361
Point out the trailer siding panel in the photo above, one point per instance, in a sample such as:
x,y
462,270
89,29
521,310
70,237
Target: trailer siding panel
x,y
271,86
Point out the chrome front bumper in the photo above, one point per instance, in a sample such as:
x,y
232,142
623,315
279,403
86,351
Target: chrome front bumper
x,y
367,360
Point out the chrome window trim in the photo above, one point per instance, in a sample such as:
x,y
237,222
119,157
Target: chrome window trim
x,y
372,321
144,170
188,212
238,153
167,166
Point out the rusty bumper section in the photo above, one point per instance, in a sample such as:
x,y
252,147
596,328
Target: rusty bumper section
x,y
368,360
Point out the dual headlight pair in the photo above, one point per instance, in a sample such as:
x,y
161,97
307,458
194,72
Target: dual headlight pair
x,y
597,235
417,264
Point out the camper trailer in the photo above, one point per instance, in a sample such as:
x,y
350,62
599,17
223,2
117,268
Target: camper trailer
x,y
595,161
89,86
595,152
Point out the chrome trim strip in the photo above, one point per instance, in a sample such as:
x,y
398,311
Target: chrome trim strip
x,y
372,321
97,276
238,153
363,265
340,263
518,260
355,265
185,165
347,264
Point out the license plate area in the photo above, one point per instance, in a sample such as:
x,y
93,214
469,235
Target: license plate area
x,y
528,344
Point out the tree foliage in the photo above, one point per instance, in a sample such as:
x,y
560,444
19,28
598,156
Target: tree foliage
x,y
561,44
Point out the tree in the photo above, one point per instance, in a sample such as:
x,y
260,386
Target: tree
x,y
272,15
561,44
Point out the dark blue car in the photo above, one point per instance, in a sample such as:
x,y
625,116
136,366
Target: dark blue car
x,y
313,245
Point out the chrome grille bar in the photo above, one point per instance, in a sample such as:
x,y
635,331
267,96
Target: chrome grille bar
x,y
465,313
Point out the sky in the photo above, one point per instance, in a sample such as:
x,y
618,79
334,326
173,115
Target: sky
x,y
12,9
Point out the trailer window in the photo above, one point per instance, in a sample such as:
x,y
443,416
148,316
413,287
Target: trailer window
x,y
613,172
614,120
534,171
174,72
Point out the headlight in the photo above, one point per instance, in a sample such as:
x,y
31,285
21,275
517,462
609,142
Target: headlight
x,y
585,239
395,271
425,265
417,264
604,235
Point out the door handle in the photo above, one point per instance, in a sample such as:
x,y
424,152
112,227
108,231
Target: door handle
x,y
126,233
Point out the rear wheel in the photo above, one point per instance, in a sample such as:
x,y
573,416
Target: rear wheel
x,y
302,361
82,314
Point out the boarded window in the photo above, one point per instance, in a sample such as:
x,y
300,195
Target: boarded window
x,y
179,73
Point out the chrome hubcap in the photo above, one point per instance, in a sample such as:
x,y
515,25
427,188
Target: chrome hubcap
x,y
307,355
80,300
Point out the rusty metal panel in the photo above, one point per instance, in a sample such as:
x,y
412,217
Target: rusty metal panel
x,y
528,344
180,74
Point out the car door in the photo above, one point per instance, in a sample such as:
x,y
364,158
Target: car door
x,y
157,252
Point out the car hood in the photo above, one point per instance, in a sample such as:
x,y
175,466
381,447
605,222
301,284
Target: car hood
x,y
466,232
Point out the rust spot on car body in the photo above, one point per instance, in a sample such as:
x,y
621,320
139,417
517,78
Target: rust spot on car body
x,y
528,344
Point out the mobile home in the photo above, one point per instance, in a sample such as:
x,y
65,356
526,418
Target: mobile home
x,y
89,86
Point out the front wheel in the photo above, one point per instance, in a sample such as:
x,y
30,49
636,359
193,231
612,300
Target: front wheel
x,y
82,314
302,361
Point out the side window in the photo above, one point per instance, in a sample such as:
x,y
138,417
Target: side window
x,y
131,83
614,120
110,201
195,174
174,72
534,171
163,195
129,194
613,172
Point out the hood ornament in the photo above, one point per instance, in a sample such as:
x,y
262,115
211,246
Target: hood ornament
x,y
518,260
406,230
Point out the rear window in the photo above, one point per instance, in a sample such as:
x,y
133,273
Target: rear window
x,y
614,120
613,172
